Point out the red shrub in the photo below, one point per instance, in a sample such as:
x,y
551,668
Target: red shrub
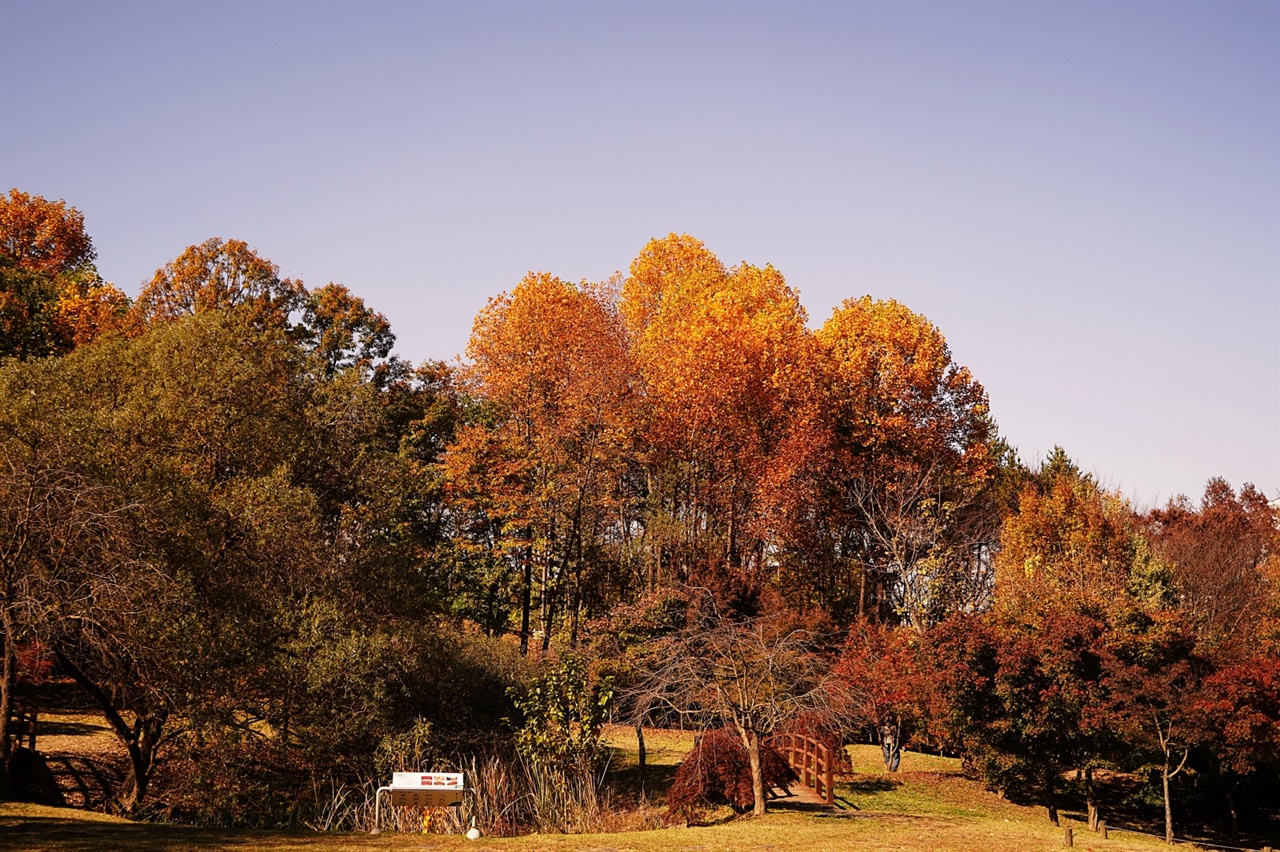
x,y
717,772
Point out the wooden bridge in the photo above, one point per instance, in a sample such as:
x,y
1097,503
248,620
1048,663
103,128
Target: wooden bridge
x,y
811,761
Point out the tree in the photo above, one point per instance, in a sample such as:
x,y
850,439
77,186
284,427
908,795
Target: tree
x,y
219,274
1068,538
878,676
717,771
338,327
43,236
1019,695
51,296
544,463
563,713
719,352
1153,677
910,453
1218,553
751,673
1237,711
54,520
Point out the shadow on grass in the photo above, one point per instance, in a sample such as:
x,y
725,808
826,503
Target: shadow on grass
x,y
860,786
627,783
47,727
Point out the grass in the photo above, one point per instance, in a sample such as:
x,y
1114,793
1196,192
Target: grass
x,y
32,827
925,807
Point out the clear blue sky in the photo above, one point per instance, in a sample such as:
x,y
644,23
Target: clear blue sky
x,y
1085,197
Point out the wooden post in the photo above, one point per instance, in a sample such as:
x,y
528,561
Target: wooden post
x,y
828,781
1102,828
1068,838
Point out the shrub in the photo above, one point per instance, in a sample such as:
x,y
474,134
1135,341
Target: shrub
x,y
718,772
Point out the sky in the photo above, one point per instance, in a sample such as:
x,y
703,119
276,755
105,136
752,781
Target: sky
x,y
1084,197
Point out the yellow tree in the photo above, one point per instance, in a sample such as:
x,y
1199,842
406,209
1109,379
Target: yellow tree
x,y
549,363
909,449
718,351
1072,539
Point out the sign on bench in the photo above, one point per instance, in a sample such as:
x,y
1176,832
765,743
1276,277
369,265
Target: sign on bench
x,y
419,790
426,789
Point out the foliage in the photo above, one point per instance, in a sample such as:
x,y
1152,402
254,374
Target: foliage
x,y
51,296
218,275
880,684
751,673
43,236
718,772
563,712
282,561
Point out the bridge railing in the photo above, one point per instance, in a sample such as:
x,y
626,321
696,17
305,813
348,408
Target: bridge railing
x,y
811,761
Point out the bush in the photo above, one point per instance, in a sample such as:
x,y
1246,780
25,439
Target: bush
x,y
718,772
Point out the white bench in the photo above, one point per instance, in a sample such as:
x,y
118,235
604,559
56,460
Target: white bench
x,y
419,790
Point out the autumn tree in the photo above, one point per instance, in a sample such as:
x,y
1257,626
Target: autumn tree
x,y
1019,694
544,461
880,682
273,534
1071,539
43,236
219,274
55,521
342,331
1153,678
719,352
51,296
1218,553
907,454
750,672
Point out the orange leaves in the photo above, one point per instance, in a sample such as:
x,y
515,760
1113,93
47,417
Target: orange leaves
x,y
43,236
219,274
895,384
701,424
87,308
708,341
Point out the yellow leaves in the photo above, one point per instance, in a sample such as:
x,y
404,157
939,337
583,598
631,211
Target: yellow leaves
x,y
88,309
1067,536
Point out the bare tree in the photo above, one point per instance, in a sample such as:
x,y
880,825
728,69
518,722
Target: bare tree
x,y
753,673
927,541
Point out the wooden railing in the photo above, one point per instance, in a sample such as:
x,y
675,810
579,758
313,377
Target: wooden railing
x,y
811,761
22,723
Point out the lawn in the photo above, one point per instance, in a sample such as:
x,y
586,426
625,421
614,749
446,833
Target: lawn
x,y
926,806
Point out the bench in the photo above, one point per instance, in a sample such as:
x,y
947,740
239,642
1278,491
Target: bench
x,y
419,790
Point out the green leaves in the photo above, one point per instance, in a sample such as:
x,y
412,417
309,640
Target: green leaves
x,y
563,711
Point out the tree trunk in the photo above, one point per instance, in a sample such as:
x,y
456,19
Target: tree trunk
x,y
1091,804
862,593
1227,794
141,741
757,773
1050,797
7,681
641,754
1168,808
526,601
